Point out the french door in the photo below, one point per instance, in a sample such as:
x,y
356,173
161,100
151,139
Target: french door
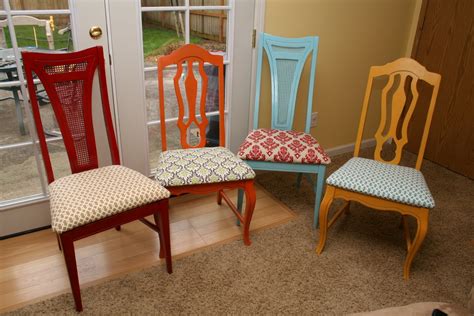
x,y
133,33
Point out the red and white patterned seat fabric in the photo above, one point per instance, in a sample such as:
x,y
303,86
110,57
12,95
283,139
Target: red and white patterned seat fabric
x,y
282,146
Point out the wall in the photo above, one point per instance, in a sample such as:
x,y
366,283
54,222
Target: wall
x,y
354,34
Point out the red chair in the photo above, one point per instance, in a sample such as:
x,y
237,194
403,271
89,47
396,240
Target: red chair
x,y
199,169
91,199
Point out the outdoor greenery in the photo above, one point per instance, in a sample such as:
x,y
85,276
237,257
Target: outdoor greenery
x,y
26,37
155,39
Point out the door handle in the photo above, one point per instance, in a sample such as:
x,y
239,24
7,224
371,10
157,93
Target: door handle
x,y
95,32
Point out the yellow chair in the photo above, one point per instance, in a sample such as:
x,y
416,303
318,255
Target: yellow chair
x,y
380,184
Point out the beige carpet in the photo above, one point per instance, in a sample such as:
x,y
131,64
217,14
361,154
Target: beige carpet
x,y
360,269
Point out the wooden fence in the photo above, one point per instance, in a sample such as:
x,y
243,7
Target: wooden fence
x,y
209,24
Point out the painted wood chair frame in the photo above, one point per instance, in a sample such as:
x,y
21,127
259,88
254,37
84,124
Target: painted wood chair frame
x,y
191,54
400,116
94,60
286,51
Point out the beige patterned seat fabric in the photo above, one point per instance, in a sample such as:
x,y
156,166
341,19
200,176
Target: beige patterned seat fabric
x,y
89,196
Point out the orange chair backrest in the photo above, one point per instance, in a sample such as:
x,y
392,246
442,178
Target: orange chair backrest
x,y
394,92
190,56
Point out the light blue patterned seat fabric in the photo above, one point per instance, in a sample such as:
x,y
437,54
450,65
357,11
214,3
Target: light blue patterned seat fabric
x,y
199,166
391,182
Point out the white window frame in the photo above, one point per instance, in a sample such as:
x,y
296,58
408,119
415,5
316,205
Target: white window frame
x,y
9,13
187,8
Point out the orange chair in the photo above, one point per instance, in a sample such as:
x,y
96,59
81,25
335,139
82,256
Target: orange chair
x,y
380,184
199,169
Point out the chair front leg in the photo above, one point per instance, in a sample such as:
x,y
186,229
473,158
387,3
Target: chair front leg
x,y
250,200
323,217
71,266
422,221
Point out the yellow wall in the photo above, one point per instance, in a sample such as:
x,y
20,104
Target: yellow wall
x,y
353,35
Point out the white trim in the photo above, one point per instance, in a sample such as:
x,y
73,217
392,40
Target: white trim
x,y
26,104
25,144
229,73
41,12
112,88
23,201
186,7
259,26
338,150
175,119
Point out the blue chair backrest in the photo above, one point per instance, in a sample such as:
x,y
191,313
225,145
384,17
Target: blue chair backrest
x,y
286,57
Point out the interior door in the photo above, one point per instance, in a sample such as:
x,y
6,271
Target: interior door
x,y
445,44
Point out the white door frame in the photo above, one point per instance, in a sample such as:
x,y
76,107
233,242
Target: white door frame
x,y
259,26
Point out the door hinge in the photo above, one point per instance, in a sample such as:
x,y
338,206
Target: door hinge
x,y
254,37
110,60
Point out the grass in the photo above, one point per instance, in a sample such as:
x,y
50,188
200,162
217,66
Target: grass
x,y
155,39
26,38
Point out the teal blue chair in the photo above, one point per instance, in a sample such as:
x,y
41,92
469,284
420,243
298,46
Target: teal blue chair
x,y
280,148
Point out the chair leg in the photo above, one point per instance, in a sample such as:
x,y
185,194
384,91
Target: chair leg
x,y
422,229
164,225
298,180
71,266
219,197
59,242
323,217
250,200
240,202
318,189
156,217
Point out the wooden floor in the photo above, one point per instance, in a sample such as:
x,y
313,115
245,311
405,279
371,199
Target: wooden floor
x,y
32,267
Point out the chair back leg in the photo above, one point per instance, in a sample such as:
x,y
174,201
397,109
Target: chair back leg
x,y
250,200
240,203
318,189
165,244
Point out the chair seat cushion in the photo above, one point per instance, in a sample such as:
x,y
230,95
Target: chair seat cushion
x,y
86,197
199,166
391,182
282,146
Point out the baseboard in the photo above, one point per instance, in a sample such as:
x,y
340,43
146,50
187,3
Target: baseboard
x,y
338,150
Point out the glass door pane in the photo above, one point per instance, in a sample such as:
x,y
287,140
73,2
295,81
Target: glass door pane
x,y
165,28
45,28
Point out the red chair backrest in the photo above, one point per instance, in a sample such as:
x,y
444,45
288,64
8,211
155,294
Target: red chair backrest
x,y
191,55
68,79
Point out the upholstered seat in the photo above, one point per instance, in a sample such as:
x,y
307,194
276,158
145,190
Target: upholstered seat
x,y
282,146
200,166
88,196
383,180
